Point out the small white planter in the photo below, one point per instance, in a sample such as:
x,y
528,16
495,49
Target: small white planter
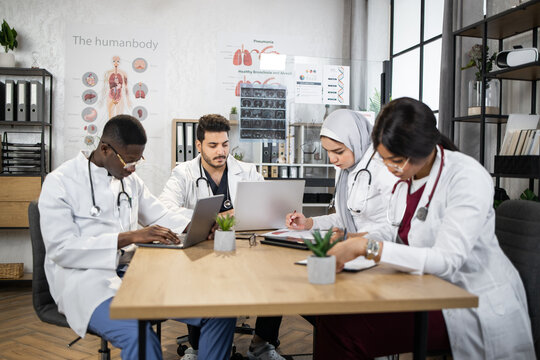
x,y
233,117
321,270
224,240
6,59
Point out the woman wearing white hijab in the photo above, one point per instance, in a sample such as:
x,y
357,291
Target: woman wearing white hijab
x,y
360,201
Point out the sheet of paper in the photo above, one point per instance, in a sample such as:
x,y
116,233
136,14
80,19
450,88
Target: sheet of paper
x,y
360,263
285,233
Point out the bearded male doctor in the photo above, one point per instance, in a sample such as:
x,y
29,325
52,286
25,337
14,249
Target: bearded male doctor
x,y
90,207
215,172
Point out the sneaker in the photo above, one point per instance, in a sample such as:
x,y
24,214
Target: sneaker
x,y
190,354
264,352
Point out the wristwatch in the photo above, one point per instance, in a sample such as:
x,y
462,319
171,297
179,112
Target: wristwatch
x,y
372,249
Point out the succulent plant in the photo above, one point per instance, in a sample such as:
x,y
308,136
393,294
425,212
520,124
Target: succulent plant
x,y
226,222
322,244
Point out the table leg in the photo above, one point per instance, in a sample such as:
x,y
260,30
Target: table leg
x,y
420,335
142,339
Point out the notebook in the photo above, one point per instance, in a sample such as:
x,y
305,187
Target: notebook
x,y
260,205
199,228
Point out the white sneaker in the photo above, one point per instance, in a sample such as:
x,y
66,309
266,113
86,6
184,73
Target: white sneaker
x,y
190,354
264,352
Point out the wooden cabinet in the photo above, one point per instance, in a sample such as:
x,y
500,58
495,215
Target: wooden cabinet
x,y
16,192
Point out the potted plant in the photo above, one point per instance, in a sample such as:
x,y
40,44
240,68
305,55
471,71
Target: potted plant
x,y
8,39
233,116
225,237
321,267
475,86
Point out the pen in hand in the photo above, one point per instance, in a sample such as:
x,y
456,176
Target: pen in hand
x,y
345,234
291,220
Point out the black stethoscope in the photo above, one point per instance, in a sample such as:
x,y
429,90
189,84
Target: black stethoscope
x,y
421,214
95,211
227,204
366,193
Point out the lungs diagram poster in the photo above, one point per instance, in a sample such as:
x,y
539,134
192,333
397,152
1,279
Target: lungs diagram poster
x,y
240,62
113,70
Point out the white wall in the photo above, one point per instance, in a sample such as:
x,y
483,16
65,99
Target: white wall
x,y
192,27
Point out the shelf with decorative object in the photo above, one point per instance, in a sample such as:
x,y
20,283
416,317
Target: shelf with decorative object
x,y
519,19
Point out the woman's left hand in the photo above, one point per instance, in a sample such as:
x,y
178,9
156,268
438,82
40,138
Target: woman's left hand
x,y
348,250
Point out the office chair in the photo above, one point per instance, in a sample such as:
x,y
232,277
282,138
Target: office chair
x,y
44,305
517,226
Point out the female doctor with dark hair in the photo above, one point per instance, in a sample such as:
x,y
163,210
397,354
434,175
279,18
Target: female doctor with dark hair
x,y
447,229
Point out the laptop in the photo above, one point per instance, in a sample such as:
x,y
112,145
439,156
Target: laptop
x,y
261,205
202,220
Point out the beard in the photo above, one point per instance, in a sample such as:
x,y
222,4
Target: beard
x,y
212,162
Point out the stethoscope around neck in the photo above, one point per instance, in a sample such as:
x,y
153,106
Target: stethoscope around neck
x,y
227,204
362,172
95,210
421,213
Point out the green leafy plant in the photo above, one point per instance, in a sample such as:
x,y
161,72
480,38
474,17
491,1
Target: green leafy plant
x,y
226,222
233,110
322,244
528,194
375,102
475,60
8,37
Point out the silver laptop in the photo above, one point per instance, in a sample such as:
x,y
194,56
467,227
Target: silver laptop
x,y
202,220
261,205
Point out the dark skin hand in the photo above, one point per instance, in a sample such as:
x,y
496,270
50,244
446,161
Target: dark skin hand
x,y
148,234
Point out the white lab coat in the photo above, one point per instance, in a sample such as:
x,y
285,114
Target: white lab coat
x,y
457,243
373,218
81,250
181,191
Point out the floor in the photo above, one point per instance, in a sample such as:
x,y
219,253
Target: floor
x,y
24,336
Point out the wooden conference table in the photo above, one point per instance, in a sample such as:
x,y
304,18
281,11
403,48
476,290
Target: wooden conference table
x,y
263,280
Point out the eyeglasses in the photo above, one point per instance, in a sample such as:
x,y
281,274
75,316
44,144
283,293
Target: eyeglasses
x,y
128,166
389,164
252,237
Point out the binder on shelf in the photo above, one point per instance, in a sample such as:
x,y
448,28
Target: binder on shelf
x,y
2,96
281,153
180,149
266,152
22,100
264,171
189,141
274,153
195,151
36,101
9,101
274,172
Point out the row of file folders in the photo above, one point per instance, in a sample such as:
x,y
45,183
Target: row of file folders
x,y
21,100
186,134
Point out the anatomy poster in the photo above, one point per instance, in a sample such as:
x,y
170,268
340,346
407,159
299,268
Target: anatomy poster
x,y
336,85
113,70
239,62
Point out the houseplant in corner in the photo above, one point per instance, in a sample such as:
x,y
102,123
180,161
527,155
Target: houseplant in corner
x,y
8,40
321,267
225,237
475,86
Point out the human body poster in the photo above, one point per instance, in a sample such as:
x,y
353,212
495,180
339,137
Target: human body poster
x,y
113,70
